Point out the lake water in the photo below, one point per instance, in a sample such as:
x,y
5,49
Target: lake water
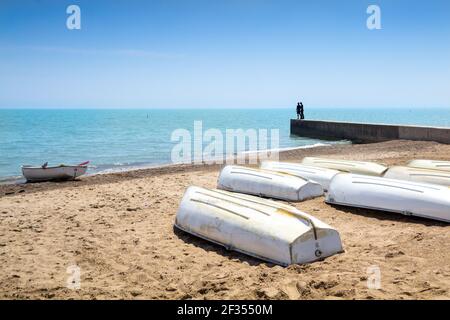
x,y
115,139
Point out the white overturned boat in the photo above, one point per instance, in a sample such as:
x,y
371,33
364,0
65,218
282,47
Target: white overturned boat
x,y
268,184
320,175
430,164
61,172
358,167
258,227
409,198
420,175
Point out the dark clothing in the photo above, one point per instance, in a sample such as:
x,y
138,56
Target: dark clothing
x,y
300,111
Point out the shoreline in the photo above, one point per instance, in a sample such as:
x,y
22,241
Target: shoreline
x,y
118,229
111,169
135,173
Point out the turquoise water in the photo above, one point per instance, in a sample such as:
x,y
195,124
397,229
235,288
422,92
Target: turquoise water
x,y
113,139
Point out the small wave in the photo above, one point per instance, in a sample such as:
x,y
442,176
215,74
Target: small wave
x,y
12,180
126,168
315,145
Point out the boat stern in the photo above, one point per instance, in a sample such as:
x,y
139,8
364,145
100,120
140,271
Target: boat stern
x,y
313,246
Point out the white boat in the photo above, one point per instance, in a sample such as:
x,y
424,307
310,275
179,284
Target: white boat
x,y
258,227
267,184
358,167
420,175
430,164
320,175
61,172
409,198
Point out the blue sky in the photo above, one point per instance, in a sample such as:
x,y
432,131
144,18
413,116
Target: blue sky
x,y
224,54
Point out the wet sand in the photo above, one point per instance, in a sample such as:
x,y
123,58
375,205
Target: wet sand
x,y
118,229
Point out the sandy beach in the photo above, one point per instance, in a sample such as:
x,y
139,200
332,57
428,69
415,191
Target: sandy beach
x,y
118,229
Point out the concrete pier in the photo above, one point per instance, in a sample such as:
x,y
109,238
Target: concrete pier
x,y
367,132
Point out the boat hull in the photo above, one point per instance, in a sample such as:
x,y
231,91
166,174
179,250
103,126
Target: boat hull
x,y
409,198
430,164
420,175
267,184
320,175
257,227
39,174
356,167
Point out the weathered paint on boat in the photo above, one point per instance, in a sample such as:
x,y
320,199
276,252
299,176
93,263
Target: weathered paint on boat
x,y
430,164
39,174
258,227
440,177
409,198
358,167
320,175
268,184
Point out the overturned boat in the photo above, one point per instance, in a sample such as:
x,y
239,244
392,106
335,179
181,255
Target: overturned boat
x,y
430,164
358,167
258,227
55,173
320,175
267,184
409,198
440,177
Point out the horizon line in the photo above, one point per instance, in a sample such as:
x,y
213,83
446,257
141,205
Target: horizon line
x,y
221,108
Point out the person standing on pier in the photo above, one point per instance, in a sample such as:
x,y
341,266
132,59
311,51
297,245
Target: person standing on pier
x,y
300,111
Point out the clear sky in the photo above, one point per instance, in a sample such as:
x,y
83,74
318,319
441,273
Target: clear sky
x,y
224,54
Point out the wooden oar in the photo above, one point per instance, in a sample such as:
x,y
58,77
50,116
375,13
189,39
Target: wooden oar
x,y
84,163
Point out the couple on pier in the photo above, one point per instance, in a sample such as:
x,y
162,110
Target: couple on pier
x,y
300,111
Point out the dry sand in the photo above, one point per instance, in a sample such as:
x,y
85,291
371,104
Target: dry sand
x,y
118,229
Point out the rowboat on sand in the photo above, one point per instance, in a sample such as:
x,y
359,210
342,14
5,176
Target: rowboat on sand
x,y
430,164
61,172
410,198
267,184
257,227
320,175
357,167
440,177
